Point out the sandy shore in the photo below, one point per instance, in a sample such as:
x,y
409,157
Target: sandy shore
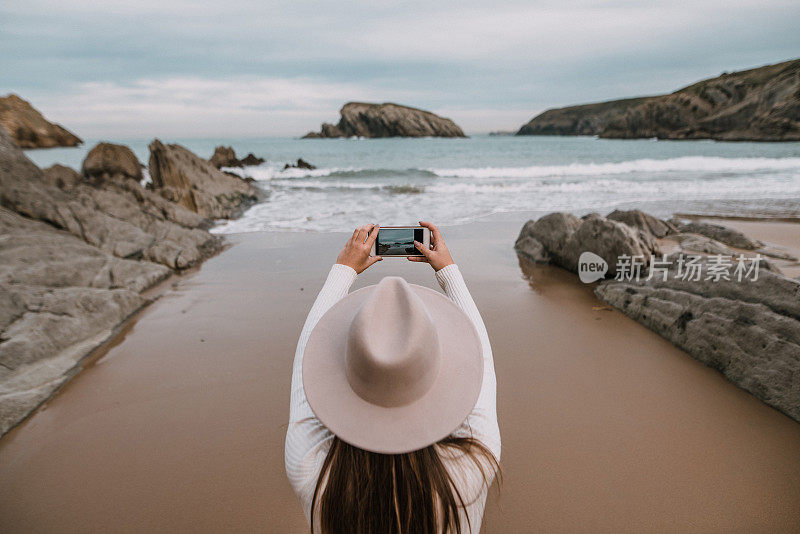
x,y
179,426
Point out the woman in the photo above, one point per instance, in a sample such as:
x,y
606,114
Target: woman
x,y
393,421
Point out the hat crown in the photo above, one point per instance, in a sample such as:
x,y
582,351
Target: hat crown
x,y
393,354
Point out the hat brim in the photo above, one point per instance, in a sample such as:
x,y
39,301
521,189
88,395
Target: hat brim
x,y
400,429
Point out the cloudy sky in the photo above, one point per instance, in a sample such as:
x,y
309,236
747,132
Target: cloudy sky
x,y
136,69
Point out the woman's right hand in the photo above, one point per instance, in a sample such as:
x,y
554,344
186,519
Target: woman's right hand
x,y
438,255
355,253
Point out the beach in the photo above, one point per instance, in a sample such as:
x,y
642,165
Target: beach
x,y
178,423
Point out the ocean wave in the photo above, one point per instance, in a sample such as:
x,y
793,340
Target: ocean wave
x,y
695,164
270,171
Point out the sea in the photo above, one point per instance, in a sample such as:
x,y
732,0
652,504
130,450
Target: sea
x,y
452,181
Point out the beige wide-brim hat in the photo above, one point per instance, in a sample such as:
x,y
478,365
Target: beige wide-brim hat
x,y
393,368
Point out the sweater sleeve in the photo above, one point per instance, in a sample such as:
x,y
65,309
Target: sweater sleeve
x,y
306,437
481,423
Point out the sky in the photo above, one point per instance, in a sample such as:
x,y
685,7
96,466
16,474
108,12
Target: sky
x,y
252,68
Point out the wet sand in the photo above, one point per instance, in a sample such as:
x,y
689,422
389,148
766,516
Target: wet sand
x,y
606,427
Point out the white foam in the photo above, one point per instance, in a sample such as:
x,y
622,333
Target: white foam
x,y
682,164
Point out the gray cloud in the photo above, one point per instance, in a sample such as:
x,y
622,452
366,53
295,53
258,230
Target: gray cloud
x,y
279,68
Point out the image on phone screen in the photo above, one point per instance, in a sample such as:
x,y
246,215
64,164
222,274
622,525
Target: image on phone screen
x,y
398,241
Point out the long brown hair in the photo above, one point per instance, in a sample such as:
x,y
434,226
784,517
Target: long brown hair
x,y
371,493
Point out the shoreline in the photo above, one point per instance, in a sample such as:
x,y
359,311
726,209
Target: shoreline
x,y
158,290
191,397
116,336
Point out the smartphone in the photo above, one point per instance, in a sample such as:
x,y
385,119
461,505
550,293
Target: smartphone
x,y
398,241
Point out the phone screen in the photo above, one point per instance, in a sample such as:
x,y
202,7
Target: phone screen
x,y
398,242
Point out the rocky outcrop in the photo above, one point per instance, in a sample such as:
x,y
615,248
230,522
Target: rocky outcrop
x,y
194,183
76,251
29,129
643,221
561,238
251,160
723,234
741,317
360,119
761,104
225,156
748,330
301,164
107,161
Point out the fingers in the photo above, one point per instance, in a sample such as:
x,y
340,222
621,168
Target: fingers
x,y
418,259
423,249
373,260
436,236
373,234
361,233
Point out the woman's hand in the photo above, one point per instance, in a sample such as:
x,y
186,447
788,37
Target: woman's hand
x,y
438,255
355,253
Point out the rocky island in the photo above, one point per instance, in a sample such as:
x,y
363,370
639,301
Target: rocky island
x,y
29,129
359,119
761,104
78,249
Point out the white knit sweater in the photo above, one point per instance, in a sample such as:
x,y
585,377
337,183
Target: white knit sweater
x,y
308,440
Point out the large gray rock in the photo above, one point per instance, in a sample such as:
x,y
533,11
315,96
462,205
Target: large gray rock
x,y
611,240
110,217
74,254
748,330
107,161
59,298
34,253
643,221
562,238
723,234
192,182
359,119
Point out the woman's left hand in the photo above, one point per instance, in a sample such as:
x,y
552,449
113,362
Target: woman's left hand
x,y
355,253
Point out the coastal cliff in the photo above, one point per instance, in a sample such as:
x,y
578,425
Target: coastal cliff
x,y
359,119
29,129
77,251
761,104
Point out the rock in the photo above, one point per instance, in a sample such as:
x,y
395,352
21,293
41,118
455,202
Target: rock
x,y
360,119
36,254
775,252
562,238
75,252
107,161
761,104
553,232
643,221
29,129
251,160
723,234
128,223
224,156
182,177
59,298
301,164
530,247
748,330
62,177
701,243
611,240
